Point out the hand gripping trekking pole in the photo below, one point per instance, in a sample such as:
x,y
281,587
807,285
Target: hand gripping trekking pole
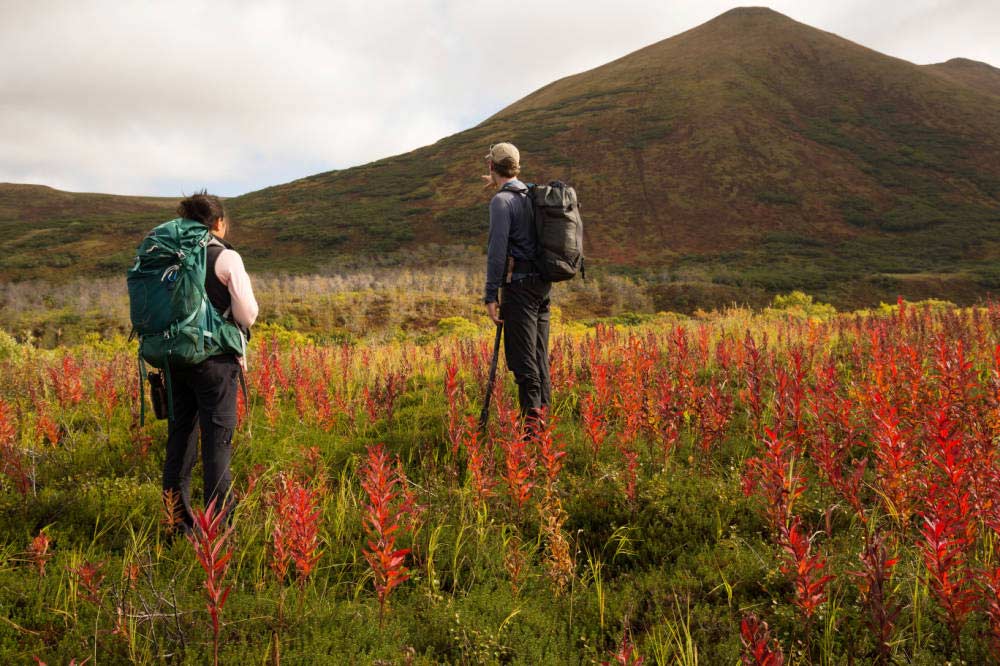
x,y
484,416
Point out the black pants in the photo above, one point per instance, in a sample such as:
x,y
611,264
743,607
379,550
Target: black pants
x,y
525,313
204,395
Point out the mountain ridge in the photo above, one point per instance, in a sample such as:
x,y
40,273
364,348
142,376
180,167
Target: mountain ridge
x,y
972,73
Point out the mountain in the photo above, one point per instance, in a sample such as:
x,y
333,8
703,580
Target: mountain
x,y
972,73
46,233
750,155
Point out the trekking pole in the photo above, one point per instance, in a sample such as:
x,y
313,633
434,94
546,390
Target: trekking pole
x,y
484,416
248,415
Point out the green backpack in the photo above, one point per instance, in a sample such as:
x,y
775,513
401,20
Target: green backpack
x,y
170,311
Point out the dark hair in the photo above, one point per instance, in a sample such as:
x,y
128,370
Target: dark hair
x,y
202,207
507,168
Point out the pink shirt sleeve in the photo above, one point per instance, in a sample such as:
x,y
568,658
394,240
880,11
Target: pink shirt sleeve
x,y
230,271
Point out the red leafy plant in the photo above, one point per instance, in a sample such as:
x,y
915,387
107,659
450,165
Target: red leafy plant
x,y
759,649
943,549
775,478
11,458
88,577
38,551
752,394
519,460
295,536
874,583
895,459
480,463
106,392
626,654
453,391
593,424
389,510
551,451
382,396
265,379
833,436
806,569
67,382
173,508
948,530
45,426
715,410
209,538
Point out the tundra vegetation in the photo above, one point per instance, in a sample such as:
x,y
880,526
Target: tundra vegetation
x,y
789,485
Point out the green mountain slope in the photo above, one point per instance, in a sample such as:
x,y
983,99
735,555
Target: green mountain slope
x,y
749,155
49,233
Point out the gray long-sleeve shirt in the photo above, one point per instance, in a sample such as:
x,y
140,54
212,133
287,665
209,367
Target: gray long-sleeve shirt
x,y
511,235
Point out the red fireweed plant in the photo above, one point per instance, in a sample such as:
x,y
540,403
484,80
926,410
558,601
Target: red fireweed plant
x,y
626,654
38,552
895,458
295,536
387,512
874,582
453,392
805,568
480,463
759,649
67,382
948,529
519,461
88,577
12,461
106,392
551,451
593,425
209,537
773,476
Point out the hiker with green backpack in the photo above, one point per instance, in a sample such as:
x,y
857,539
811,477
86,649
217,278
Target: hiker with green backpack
x,y
192,306
535,239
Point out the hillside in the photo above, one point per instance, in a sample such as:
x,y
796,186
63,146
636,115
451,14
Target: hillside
x,y
977,75
49,233
750,155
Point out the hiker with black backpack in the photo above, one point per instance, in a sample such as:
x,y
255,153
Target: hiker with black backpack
x,y
192,306
535,239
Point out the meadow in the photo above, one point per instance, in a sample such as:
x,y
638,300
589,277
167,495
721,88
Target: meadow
x,y
789,485
357,306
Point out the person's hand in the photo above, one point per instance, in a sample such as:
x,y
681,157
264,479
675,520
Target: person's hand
x,y
493,310
243,363
488,183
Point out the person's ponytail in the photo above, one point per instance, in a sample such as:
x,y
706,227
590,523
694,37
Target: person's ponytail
x,y
202,207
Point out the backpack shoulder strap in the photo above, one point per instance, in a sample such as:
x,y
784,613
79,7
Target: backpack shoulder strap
x,y
214,248
213,251
507,187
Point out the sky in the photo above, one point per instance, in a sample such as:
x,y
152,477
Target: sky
x,y
163,98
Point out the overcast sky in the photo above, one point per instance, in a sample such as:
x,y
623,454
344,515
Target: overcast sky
x,y
139,97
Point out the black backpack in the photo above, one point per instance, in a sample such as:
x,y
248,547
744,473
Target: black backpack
x,y
558,230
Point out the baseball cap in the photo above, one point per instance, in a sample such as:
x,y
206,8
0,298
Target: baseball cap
x,y
502,151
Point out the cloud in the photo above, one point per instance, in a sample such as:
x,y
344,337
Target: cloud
x,y
159,98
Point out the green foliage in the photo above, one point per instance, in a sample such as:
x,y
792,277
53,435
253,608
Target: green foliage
x,y
459,327
801,303
857,211
778,197
464,222
8,346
